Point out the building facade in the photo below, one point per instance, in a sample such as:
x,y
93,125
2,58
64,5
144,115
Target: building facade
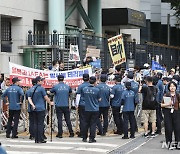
x,y
70,16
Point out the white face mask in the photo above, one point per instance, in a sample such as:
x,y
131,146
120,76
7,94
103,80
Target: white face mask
x,y
177,68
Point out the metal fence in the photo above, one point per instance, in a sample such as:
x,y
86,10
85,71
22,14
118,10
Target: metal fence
x,y
142,53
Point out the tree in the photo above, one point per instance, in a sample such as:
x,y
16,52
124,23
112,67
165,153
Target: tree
x,y
175,5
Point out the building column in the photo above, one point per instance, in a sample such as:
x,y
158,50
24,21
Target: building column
x,y
56,16
95,15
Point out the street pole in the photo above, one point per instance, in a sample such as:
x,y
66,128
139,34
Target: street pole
x,y
168,29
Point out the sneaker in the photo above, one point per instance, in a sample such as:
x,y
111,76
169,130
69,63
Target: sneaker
x,y
84,140
153,135
99,133
59,136
7,136
14,136
125,137
71,135
146,135
92,140
172,148
132,136
158,133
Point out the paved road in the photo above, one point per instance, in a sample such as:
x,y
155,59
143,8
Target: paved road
x,y
112,144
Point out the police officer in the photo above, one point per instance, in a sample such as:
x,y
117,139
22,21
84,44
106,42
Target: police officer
x,y
103,104
30,111
128,102
91,97
62,91
15,98
37,99
81,105
116,94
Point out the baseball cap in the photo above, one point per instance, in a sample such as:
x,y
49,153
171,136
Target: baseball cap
x,y
38,78
103,77
92,78
60,77
172,70
85,76
15,79
130,75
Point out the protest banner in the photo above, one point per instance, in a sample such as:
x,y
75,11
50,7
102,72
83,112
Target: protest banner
x,y
157,66
96,64
74,53
91,52
116,49
72,77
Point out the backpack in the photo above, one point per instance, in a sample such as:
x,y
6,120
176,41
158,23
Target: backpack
x,y
150,99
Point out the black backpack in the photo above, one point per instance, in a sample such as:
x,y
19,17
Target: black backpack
x,y
150,99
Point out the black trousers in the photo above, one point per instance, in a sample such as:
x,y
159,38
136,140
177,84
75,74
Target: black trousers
x,y
118,118
31,124
159,118
60,111
129,117
81,111
104,112
14,116
172,124
91,122
39,117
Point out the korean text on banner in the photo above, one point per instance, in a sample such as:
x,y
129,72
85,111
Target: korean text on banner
x,y
72,77
116,48
74,53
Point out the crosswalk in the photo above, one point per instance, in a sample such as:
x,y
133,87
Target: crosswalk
x,y
66,146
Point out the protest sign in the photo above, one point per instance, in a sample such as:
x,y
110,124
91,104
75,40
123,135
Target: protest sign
x,y
74,53
91,52
116,48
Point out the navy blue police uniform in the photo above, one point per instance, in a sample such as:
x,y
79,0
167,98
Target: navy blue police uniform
x,y
62,91
15,96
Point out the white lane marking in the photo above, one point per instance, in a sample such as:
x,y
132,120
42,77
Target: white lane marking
x,y
139,146
37,147
24,152
91,149
69,143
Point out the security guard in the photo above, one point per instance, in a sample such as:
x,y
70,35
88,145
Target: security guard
x,y
128,102
30,111
37,99
15,98
62,91
116,93
91,98
81,105
103,104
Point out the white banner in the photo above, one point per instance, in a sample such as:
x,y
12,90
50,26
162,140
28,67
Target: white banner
x,y
74,53
72,77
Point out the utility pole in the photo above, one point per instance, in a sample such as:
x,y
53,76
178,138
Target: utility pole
x,y
168,29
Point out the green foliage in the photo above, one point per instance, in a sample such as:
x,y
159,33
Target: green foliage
x,y
175,5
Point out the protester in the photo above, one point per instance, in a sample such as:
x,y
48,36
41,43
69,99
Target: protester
x,y
159,117
62,92
149,105
103,105
14,99
37,99
61,66
171,73
91,97
171,111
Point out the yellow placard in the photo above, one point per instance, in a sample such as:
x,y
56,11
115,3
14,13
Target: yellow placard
x,y
116,49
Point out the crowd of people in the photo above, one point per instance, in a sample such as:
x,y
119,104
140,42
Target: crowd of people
x,y
94,98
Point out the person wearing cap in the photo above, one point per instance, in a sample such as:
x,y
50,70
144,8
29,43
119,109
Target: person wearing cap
x,y
15,97
30,111
115,95
128,102
160,93
135,89
103,104
172,73
37,99
62,92
147,70
81,105
91,97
